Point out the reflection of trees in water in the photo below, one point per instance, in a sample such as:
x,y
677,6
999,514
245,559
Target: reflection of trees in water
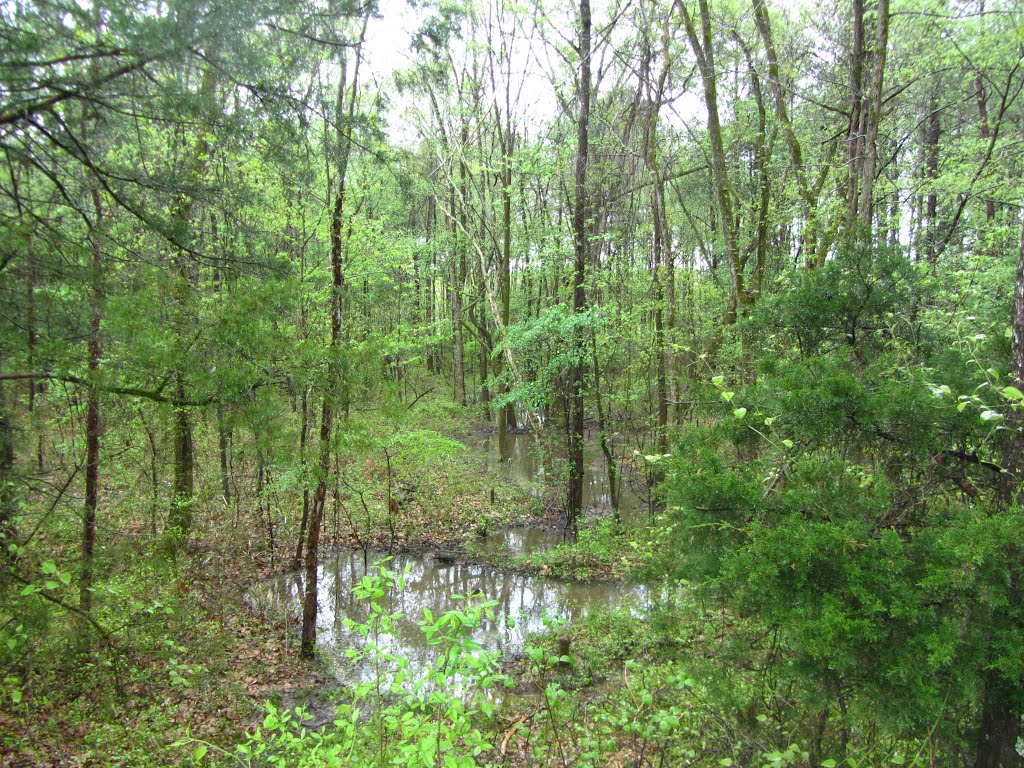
x,y
431,585
524,467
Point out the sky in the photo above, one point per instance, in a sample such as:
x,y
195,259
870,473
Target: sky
x,y
535,63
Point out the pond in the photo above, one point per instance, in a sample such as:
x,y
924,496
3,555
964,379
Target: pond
x,y
431,583
526,603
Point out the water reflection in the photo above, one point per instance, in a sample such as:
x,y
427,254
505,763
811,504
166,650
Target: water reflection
x,y
525,468
519,541
527,600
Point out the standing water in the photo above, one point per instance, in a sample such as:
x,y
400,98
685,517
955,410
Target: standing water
x,y
524,602
524,467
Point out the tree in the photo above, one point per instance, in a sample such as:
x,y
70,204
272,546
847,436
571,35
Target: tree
x,y
348,93
581,214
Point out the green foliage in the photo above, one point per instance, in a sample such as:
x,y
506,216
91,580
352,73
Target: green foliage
x,y
171,203
860,299
391,719
834,511
547,346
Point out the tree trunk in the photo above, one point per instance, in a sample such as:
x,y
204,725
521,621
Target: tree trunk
x,y
874,113
303,439
179,521
316,514
603,429
483,367
580,215
92,412
814,254
855,133
661,257
932,128
999,728
867,76
8,498
985,128
458,284
34,387
507,417
702,45
222,450
334,384
986,132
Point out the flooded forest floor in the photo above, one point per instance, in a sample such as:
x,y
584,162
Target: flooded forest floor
x,y
214,633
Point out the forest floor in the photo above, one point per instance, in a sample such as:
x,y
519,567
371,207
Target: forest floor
x,y
187,663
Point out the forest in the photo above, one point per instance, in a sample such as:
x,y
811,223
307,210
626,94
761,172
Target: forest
x,y
494,383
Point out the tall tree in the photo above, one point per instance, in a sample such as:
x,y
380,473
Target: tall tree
x,y
348,94
581,213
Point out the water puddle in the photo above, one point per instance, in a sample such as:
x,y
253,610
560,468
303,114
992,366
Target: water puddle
x,y
431,583
523,467
519,541
526,604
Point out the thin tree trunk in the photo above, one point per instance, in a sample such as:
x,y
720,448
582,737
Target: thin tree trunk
x,y
986,133
580,215
8,498
661,256
30,338
602,426
458,283
92,413
702,45
312,558
304,430
855,134
874,113
222,452
507,417
303,439
932,128
483,367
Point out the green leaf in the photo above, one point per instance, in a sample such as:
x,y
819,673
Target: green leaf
x,y
48,568
718,381
830,763
739,413
788,443
728,396
200,753
28,589
16,696
991,416
1012,393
